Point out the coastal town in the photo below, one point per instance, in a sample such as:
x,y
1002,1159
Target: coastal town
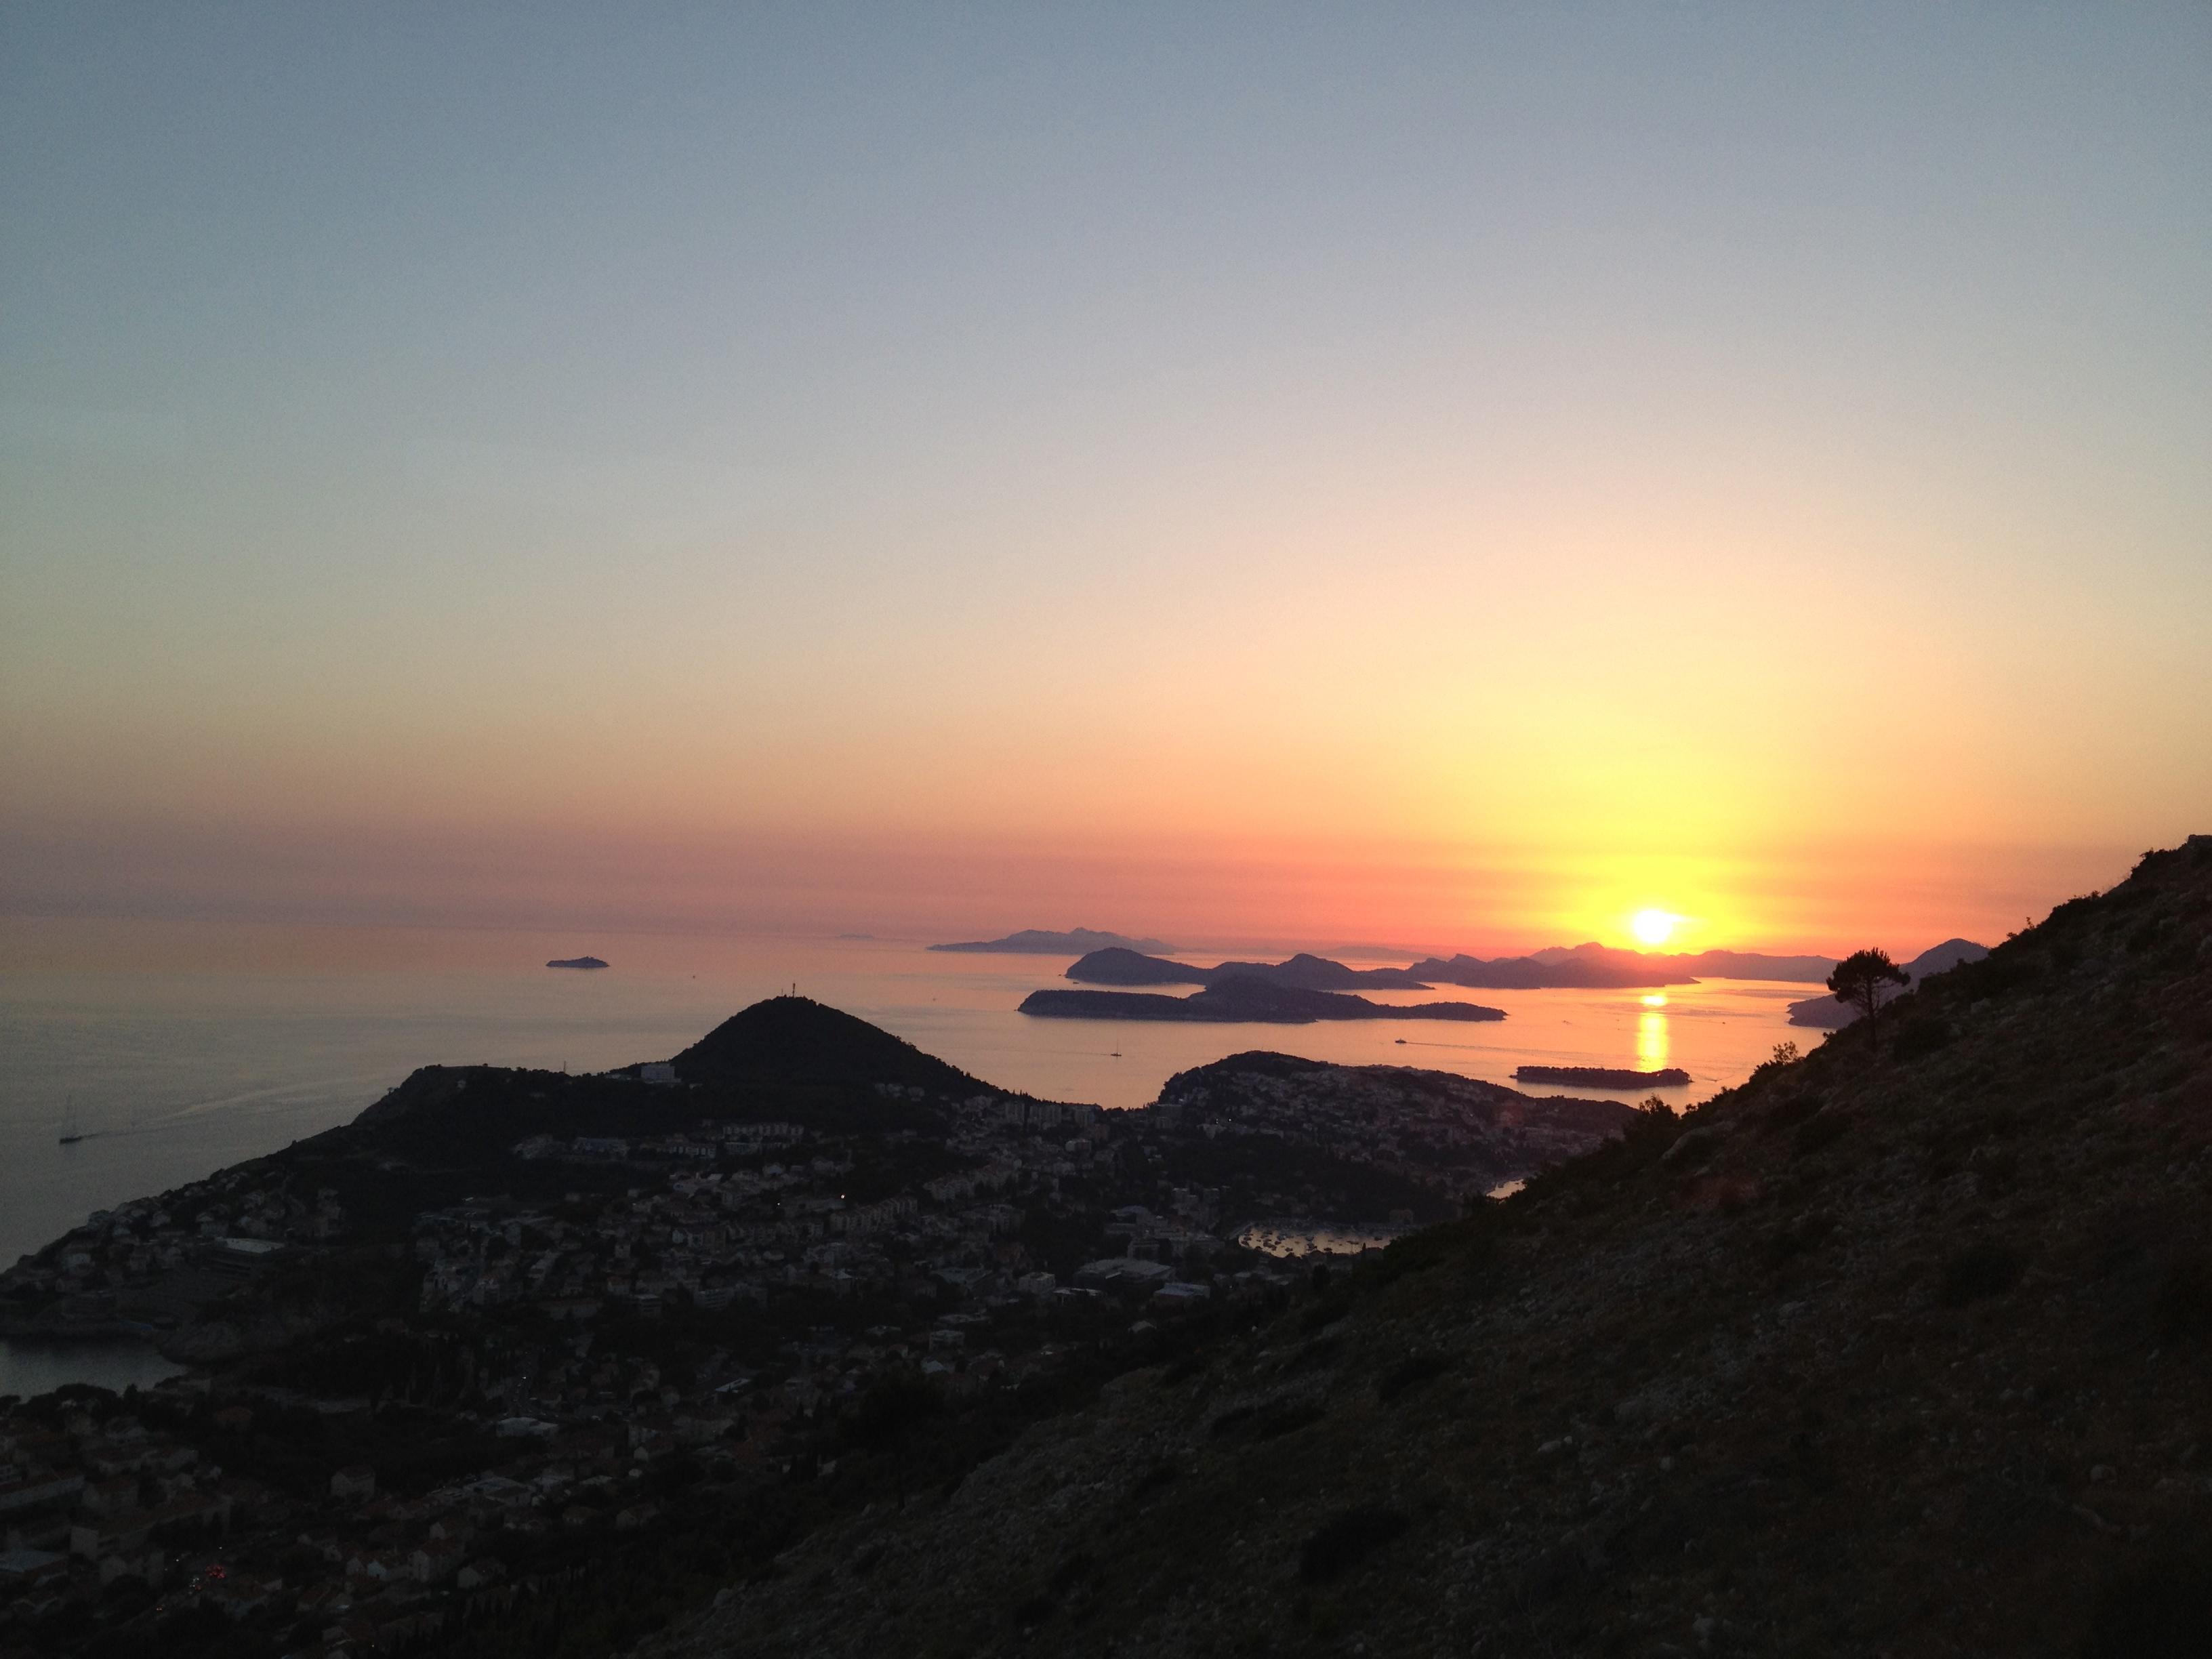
x,y
402,1423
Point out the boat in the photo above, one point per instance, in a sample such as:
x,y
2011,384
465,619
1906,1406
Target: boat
x,y
70,1132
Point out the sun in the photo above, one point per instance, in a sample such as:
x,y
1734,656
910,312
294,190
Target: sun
x,y
1653,926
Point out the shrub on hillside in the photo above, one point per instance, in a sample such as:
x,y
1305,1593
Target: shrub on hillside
x,y
1348,1538
1979,1271
2160,1607
1922,1036
1270,1419
1411,1372
1416,1252
2181,1307
1822,1130
1993,976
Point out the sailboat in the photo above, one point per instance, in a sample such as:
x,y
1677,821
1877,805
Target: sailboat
x,y
70,1132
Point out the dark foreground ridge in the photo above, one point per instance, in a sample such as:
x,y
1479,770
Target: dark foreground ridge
x,y
1902,1353
1240,1000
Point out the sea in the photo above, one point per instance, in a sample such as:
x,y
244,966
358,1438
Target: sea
x,y
173,1049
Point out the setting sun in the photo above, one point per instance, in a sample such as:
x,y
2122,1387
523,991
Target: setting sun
x,y
1653,926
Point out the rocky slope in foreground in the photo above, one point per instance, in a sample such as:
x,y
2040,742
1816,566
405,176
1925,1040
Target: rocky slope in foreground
x,y
1900,1356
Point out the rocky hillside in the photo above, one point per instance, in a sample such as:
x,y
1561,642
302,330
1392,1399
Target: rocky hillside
x,y
1907,1353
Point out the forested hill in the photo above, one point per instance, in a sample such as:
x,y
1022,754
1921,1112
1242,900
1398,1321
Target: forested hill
x,y
792,1041
785,1057
1906,1353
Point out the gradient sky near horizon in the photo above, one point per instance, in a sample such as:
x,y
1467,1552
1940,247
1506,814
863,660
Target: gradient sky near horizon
x,y
1448,476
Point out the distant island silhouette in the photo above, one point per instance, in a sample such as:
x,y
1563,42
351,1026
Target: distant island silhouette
x,y
1594,966
577,962
1580,967
1241,999
1117,965
1041,942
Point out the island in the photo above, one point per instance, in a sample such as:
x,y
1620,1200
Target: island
x,y
1118,965
1242,1000
577,962
1307,972
1042,942
1603,1077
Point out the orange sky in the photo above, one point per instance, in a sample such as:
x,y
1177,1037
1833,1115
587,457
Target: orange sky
x,y
1447,478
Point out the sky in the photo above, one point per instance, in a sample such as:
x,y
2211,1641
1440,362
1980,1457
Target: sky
x,y
1448,476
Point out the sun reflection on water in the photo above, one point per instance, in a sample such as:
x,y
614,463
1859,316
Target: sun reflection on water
x,y
1652,1039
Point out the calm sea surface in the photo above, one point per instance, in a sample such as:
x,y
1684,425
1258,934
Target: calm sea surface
x,y
177,1048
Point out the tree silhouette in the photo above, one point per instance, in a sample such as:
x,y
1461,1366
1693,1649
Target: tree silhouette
x,y
1861,981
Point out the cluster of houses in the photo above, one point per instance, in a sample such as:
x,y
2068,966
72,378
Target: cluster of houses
x,y
95,1508
1457,1137
149,1265
738,1213
87,1501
